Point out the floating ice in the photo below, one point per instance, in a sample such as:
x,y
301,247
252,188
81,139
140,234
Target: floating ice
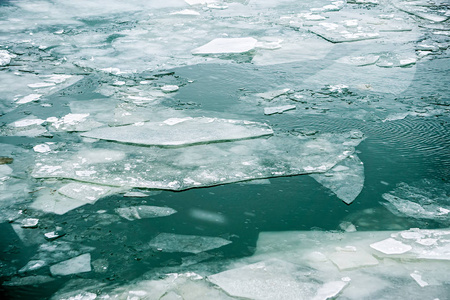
x,y
426,199
346,179
41,85
5,57
170,88
418,278
42,148
270,279
29,98
135,194
270,95
30,223
186,12
200,165
79,264
33,265
168,242
391,246
227,46
73,122
196,2
359,60
88,193
330,290
189,132
278,109
143,211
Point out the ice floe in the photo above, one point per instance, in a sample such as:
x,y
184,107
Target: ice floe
x,y
346,179
144,211
182,132
169,242
79,264
278,109
200,165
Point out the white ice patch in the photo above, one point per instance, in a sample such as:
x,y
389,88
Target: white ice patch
x,y
190,131
85,192
5,57
79,264
227,46
143,212
270,95
168,242
186,12
29,98
391,246
42,148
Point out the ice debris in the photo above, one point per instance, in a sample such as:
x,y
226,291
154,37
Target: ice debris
x,y
168,242
227,46
30,223
346,179
79,264
186,132
5,57
29,98
270,95
170,88
278,109
144,211
42,148
391,246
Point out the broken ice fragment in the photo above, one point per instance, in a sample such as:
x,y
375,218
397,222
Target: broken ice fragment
x,y
227,45
169,242
278,109
135,194
29,98
53,235
79,264
40,85
30,223
418,278
170,88
86,192
186,12
346,179
34,280
391,246
143,211
191,131
270,279
33,265
42,148
330,290
270,95
5,57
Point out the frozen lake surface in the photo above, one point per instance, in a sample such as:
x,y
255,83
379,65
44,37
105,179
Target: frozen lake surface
x,y
226,149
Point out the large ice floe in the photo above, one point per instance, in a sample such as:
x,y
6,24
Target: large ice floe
x,y
198,165
314,265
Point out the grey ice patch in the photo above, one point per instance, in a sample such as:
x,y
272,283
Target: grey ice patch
x,y
79,264
143,212
168,242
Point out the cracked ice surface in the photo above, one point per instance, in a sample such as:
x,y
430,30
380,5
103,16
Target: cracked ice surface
x,y
179,132
200,165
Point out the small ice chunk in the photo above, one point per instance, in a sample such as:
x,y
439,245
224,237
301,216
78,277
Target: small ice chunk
x,y
418,278
30,223
330,290
170,88
53,235
27,122
143,211
278,109
135,194
79,264
196,2
29,98
169,242
270,95
227,45
186,12
32,265
5,57
391,246
40,85
347,227
41,148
